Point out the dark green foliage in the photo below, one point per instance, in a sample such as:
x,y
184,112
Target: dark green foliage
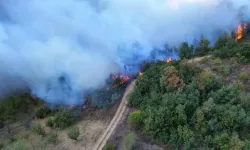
x,y
188,71
136,118
185,51
38,129
50,122
42,112
109,147
203,47
228,47
225,70
222,41
64,118
205,113
74,133
19,145
148,82
1,124
11,106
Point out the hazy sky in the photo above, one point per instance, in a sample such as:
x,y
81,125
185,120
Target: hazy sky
x,y
42,40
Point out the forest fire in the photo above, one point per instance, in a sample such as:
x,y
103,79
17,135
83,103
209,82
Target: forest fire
x,y
240,31
120,78
169,60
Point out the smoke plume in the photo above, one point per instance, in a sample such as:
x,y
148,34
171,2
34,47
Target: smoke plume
x,y
59,49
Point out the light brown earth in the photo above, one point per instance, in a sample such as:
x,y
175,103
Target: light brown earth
x,y
116,119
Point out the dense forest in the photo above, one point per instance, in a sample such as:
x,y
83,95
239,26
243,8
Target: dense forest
x,y
193,105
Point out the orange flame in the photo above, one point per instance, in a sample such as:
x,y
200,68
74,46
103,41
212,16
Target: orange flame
x,y
240,31
169,60
123,78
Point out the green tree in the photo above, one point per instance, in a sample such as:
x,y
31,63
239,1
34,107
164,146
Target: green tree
x,y
203,47
136,118
64,118
185,51
74,133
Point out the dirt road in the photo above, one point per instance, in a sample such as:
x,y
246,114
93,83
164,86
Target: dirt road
x,y
119,113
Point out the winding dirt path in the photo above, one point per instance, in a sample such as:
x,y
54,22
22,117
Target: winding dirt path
x,y
101,142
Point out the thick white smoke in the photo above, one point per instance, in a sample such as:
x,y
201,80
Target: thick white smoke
x,y
61,48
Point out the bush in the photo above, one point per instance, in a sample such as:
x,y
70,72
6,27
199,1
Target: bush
x,y
50,122
19,145
129,141
42,113
204,79
225,69
217,60
243,76
204,60
74,133
136,118
38,129
109,147
52,137
239,85
64,118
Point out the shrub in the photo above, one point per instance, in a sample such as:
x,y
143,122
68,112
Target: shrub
x,y
74,133
217,60
50,122
225,69
243,76
129,141
19,145
63,119
204,60
239,85
204,79
52,137
135,118
109,147
42,113
38,129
